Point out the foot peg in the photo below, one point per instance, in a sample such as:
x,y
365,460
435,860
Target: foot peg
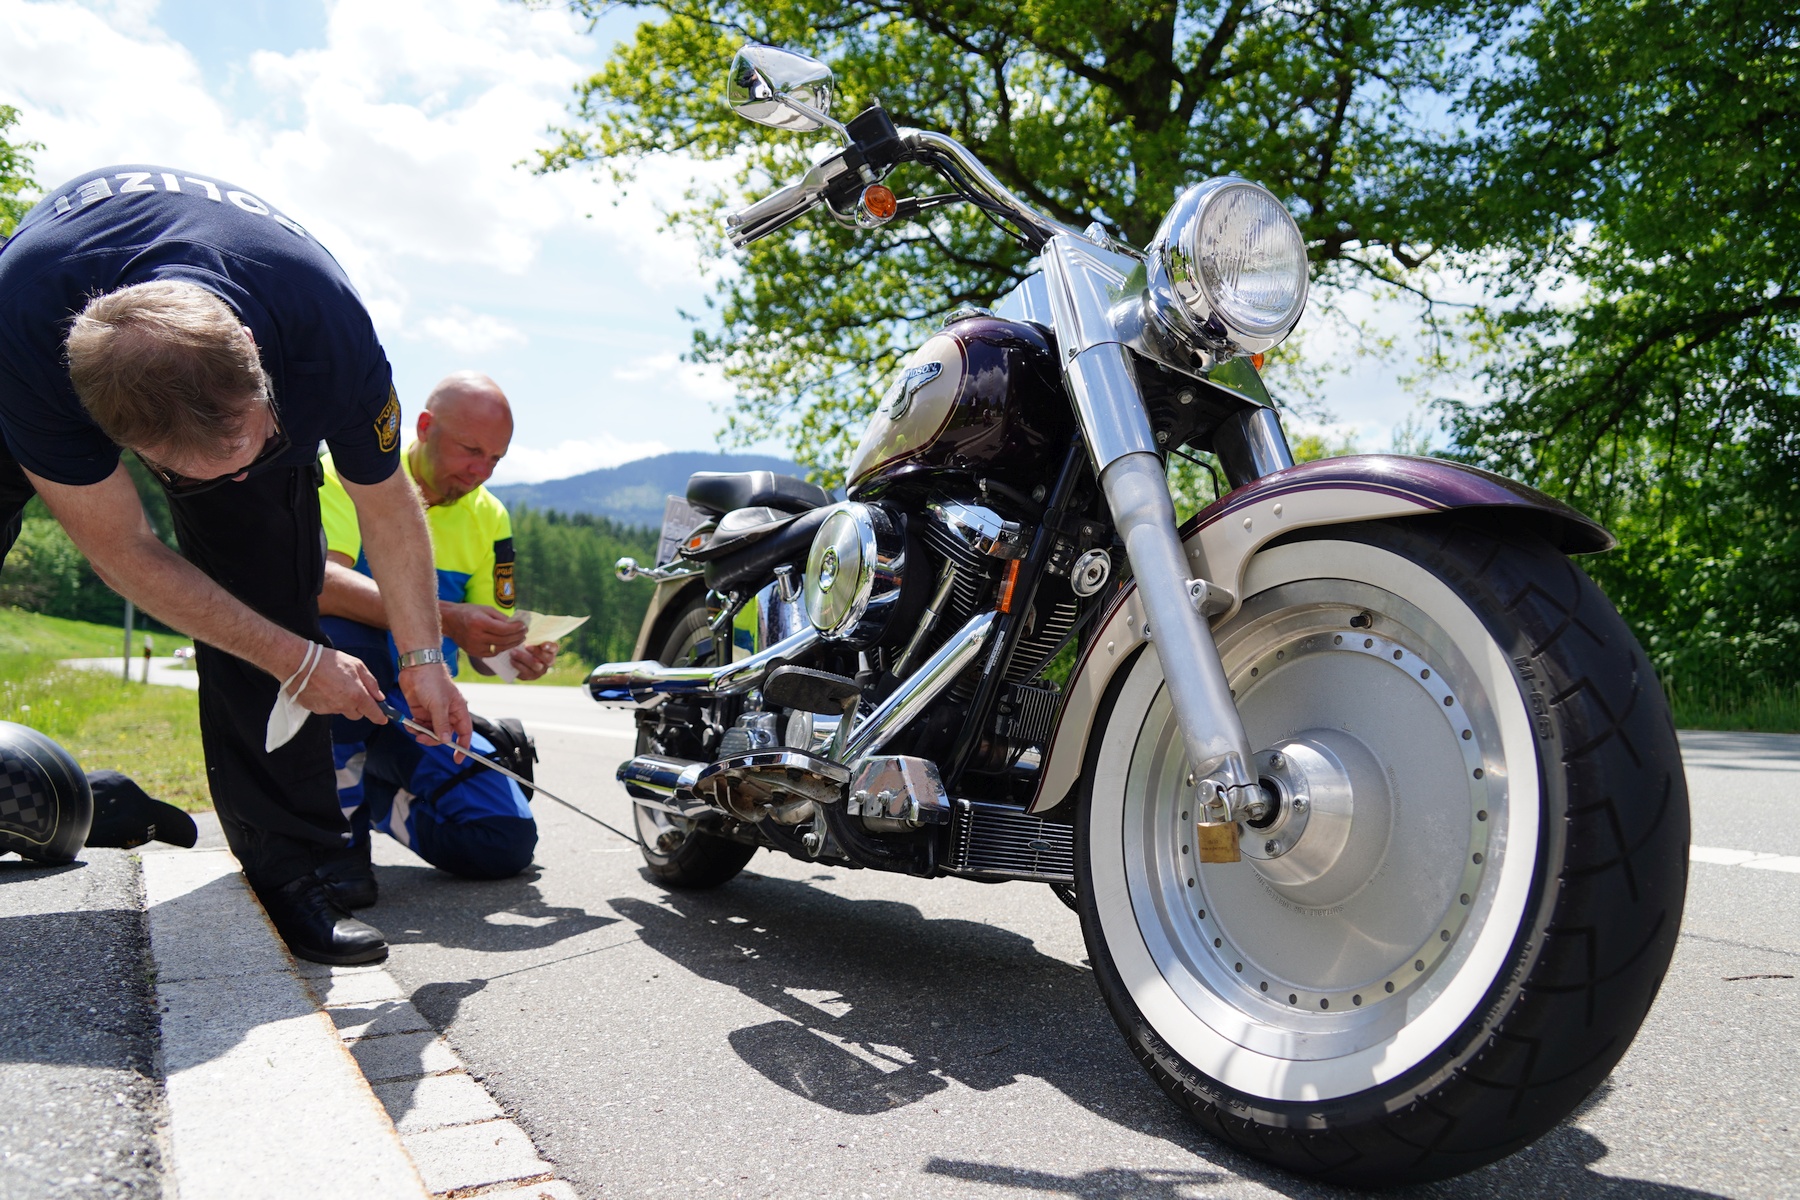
x,y
810,691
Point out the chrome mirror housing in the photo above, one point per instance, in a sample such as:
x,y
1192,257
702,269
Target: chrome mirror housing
x,y
780,89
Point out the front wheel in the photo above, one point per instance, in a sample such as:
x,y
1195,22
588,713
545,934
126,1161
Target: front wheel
x,y
1454,922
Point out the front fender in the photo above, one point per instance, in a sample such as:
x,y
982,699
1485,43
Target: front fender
x,y
1221,539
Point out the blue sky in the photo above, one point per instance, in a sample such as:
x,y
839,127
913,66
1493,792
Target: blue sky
x,y
392,130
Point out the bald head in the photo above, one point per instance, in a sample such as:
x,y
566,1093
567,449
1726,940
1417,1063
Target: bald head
x,y
464,432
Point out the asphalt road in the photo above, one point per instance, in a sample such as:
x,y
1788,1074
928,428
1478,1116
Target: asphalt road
x,y
820,1033
80,1097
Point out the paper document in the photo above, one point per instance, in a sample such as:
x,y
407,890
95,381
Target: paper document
x,y
539,628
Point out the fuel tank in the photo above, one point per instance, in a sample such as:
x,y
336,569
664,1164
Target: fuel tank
x,y
981,398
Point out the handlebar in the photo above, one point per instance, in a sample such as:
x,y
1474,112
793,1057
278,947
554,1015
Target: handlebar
x,y
769,214
944,155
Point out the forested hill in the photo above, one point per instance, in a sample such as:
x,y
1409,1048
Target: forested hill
x,y
633,493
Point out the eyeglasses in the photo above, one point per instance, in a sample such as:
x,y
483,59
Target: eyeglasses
x,y
177,484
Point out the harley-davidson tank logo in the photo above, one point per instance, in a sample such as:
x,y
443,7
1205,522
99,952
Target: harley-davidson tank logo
x,y
387,425
900,397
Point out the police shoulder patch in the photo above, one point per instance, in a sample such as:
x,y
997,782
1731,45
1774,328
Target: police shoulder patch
x,y
387,425
503,584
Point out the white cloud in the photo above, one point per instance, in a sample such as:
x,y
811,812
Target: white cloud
x,y
471,333
397,143
529,464
700,381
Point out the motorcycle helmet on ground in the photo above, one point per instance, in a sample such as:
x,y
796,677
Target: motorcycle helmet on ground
x,y
45,805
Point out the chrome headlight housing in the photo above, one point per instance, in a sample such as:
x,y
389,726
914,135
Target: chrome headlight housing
x,y
854,573
1228,267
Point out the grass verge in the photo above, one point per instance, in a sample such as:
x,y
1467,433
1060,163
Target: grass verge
x,y
1765,710
150,733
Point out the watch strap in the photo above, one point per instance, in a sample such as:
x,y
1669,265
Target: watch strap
x,y
423,658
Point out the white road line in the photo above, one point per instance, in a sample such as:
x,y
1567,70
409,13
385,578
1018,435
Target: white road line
x,y
1754,859
623,734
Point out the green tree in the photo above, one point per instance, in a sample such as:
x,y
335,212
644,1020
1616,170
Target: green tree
x,y
565,565
1635,190
1093,110
16,183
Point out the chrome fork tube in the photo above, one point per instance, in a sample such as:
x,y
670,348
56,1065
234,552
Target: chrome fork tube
x,y
1082,286
1137,490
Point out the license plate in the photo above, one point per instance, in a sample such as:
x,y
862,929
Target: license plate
x,y
679,519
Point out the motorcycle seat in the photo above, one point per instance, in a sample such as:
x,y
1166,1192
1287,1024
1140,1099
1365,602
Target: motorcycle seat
x,y
725,491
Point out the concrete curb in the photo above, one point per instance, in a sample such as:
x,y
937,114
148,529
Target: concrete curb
x,y
462,1142
289,1079
263,1099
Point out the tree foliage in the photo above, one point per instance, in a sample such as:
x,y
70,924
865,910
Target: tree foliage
x,y
565,565
16,184
1635,190
1092,110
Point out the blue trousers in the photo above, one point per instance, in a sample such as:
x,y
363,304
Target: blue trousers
x,y
461,818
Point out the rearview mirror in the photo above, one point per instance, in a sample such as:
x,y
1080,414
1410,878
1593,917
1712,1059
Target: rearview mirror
x,y
780,89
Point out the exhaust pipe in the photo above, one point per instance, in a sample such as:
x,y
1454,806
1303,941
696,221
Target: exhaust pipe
x,y
664,783
638,682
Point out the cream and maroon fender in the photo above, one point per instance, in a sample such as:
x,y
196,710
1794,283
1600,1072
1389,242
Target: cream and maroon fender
x,y
1221,539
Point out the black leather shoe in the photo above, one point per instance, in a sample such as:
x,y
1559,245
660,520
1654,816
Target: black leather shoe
x,y
315,928
351,884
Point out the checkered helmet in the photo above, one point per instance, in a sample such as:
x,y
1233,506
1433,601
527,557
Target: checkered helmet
x,y
45,805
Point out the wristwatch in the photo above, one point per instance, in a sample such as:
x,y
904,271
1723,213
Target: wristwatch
x,y
422,658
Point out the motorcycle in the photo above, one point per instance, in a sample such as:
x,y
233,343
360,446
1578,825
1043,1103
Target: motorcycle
x,y
1369,804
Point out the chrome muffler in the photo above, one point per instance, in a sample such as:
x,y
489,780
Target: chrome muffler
x,y
643,681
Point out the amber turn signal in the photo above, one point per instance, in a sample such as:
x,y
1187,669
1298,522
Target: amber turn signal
x,y
1008,582
1256,360
878,204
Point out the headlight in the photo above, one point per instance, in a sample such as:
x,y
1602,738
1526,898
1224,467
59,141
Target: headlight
x,y
1228,267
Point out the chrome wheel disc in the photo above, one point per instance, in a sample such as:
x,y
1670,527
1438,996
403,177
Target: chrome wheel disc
x,y
1374,902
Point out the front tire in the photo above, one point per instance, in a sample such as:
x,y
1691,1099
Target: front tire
x,y
680,852
1438,955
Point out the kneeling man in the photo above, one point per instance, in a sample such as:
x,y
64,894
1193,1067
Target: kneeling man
x,y
460,817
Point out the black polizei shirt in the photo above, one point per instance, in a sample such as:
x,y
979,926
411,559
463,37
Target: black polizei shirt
x,y
126,225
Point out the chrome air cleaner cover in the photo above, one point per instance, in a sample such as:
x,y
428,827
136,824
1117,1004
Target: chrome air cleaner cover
x,y
854,573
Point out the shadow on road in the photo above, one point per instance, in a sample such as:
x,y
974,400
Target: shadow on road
x,y
423,905
75,992
882,1008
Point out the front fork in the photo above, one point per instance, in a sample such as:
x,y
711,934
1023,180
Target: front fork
x,y
1135,482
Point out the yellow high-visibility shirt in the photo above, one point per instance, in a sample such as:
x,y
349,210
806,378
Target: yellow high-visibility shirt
x,y
471,545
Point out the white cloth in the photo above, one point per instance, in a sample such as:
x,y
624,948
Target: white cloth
x,y
288,715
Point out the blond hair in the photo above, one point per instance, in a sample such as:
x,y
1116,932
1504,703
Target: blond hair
x,y
165,365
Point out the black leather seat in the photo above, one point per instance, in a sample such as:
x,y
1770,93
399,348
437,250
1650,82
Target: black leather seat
x,y
727,491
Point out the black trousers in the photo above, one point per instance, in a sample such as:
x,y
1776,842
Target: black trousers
x,y
261,540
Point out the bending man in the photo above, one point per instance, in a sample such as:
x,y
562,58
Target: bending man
x,y
466,820
186,319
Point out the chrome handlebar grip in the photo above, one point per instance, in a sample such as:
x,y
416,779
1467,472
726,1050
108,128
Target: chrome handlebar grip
x,y
770,213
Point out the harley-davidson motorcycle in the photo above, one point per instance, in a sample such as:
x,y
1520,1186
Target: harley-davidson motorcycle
x,y
1369,803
